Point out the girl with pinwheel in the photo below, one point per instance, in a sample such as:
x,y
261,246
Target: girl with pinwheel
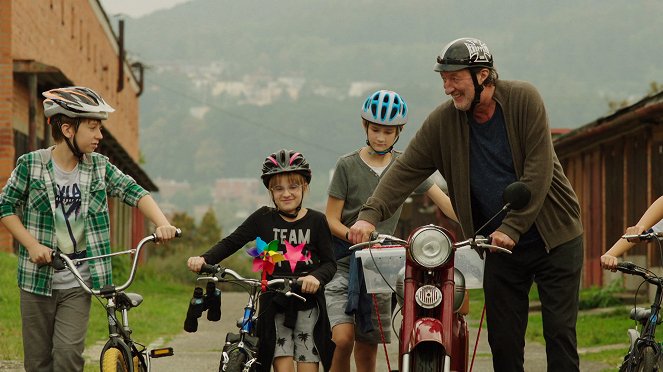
x,y
291,242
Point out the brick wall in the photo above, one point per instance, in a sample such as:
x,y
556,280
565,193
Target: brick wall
x,y
74,36
6,82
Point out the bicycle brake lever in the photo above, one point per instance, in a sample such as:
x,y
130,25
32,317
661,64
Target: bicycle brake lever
x,y
289,293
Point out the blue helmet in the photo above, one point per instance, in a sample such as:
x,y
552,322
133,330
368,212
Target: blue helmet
x,y
385,107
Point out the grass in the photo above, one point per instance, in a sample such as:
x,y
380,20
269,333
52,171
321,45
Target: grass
x,y
11,347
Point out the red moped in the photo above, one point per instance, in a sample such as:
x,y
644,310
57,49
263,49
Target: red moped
x,y
431,290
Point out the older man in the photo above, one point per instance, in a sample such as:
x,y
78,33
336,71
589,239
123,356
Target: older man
x,y
491,133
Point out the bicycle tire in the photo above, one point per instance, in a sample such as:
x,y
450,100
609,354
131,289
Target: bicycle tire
x,y
138,365
236,361
647,360
113,360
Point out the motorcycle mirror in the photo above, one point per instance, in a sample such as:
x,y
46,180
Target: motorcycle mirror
x,y
516,196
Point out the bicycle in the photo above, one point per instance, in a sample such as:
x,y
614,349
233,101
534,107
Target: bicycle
x,y
644,353
240,351
121,352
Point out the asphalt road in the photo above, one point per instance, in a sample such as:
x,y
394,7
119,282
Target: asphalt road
x,y
201,351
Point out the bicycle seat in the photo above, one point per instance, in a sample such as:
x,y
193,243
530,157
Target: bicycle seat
x,y
641,314
129,300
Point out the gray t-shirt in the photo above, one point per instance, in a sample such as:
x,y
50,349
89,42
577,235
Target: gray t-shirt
x,y
69,225
354,181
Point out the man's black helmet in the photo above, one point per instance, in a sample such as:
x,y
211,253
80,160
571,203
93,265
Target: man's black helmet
x,y
284,161
463,53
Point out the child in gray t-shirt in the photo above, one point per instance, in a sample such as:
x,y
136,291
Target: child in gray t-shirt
x,y
357,174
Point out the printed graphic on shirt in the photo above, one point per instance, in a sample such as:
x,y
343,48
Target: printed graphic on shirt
x,y
295,244
69,223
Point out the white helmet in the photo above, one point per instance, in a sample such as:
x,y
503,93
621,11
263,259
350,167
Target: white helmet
x,y
76,102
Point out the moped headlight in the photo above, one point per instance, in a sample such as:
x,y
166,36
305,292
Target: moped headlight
x,y
430,247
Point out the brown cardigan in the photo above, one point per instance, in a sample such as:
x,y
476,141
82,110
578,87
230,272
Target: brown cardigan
x,y
442,143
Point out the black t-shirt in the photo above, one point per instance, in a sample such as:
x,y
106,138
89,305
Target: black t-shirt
x,y
267,223
491,171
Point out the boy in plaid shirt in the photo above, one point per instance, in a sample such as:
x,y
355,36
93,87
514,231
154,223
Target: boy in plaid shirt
x,y
60,194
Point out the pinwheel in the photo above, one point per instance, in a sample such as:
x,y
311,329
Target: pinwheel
x,y
265,256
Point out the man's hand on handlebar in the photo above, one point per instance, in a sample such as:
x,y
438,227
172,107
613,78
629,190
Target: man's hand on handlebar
x,y
195,263
360,231
501,239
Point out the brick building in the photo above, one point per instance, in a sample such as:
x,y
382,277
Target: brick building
x,y
46,44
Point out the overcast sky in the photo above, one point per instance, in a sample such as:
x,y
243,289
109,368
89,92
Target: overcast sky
x,y
137,8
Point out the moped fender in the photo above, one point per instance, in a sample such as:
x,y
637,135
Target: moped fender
x,y
426,330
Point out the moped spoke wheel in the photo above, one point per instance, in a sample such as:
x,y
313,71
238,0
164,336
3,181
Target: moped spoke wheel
x,y
427,358
113,361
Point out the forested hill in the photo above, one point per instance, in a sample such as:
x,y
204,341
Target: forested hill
x,y
230,81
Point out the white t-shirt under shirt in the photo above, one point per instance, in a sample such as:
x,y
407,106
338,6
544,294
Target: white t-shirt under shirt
x,y
69,225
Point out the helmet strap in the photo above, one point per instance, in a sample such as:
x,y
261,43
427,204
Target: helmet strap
x,y
73,147
286,214
385,152
290,215
478,88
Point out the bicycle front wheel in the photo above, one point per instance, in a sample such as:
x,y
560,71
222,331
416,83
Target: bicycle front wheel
x,y
112,360
647,360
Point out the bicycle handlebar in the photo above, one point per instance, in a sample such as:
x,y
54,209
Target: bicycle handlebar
x,y
219,272
643,236
70,264
633,269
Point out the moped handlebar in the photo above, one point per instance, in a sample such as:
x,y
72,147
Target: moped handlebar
x,y
61,261
218,273
478,242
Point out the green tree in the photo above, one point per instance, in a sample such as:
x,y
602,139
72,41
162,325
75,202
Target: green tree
x,y
187,224
208,231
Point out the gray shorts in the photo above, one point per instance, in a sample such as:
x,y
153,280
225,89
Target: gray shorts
x,y
336,295
297,343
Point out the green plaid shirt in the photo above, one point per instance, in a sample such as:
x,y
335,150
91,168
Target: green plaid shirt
x,y
30,193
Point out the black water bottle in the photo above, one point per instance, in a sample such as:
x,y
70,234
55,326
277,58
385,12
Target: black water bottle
x,y
213,302
196,308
